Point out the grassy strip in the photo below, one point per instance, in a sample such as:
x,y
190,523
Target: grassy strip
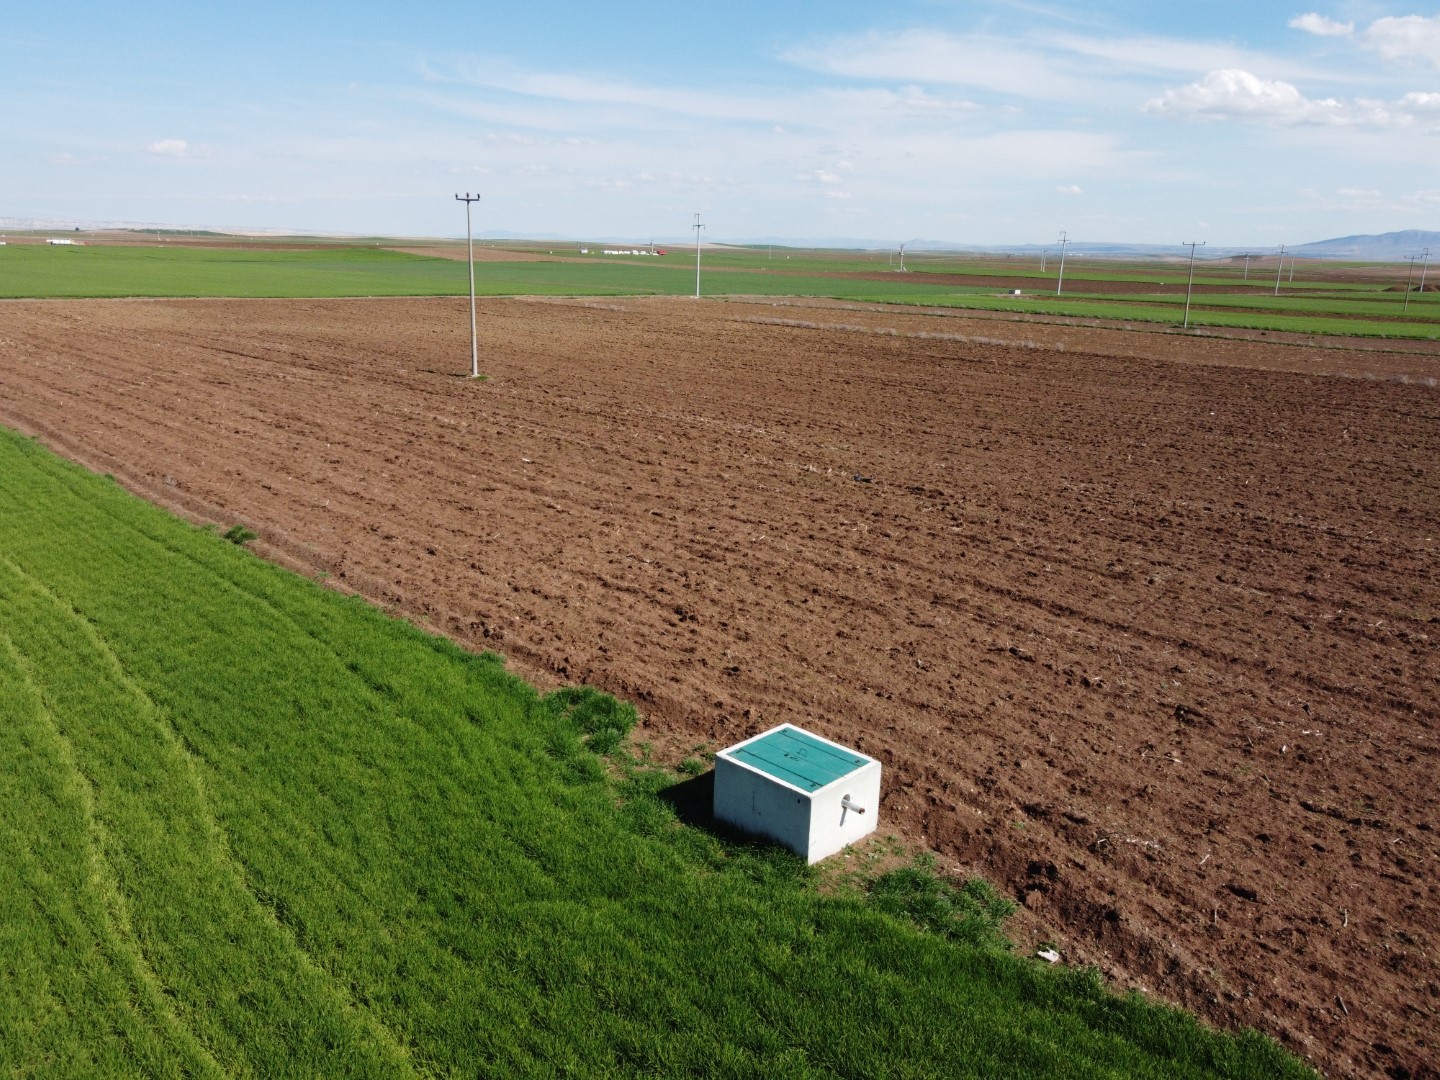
x,y
259,829
1393,306
106,271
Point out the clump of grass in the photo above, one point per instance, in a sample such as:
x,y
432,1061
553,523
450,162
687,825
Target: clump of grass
x,y
692,766
239,534
603,720
972,913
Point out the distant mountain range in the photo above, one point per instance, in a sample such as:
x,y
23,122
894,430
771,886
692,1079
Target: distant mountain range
x,y
1388,247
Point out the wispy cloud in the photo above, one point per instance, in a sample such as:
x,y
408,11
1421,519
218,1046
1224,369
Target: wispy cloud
x,y
69,160
1038,66
939,59
173,148
1321,25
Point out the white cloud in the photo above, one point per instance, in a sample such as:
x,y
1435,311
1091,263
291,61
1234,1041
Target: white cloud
x,y
1232,94
1070,189
1321,25
176,148
1406,37
1421,102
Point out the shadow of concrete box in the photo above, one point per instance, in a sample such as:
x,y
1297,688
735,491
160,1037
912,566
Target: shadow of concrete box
x,y
811,795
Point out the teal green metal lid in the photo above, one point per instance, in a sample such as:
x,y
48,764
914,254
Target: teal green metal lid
x,y
798,758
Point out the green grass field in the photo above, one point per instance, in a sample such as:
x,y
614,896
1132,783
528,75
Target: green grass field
x,y
337,270
250,827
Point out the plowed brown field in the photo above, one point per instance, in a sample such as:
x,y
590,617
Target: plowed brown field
x,y
1143,626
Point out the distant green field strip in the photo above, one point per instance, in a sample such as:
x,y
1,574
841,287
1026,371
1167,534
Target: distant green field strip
x,y
1127,311
105,271
264,830
1418,309
102,271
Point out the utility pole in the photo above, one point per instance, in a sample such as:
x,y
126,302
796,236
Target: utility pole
x,y
697,227
1279,269
467,199
1042,260
1424,258
1060,282
902,258
1409,275
1190,285
1247,269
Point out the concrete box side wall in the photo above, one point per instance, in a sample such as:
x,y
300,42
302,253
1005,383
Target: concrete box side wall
x,y
757,804
832,827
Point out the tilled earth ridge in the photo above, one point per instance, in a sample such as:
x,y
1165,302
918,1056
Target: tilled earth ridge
x,y
1147,639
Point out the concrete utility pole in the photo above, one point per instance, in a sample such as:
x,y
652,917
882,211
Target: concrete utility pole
x,y
1060,281
902,258
1279,269
1190,285
697,227
1247,269
467,199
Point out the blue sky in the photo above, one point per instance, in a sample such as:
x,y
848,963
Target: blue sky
x,y
988,121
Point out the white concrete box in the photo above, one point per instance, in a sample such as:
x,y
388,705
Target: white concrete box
x,y
807,793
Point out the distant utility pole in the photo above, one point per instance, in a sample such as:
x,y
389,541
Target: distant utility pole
x,y
1190,285
467,199
902,258
1247,269
1409,276
1279,269
1424,258
1060,281
697,227
1042,260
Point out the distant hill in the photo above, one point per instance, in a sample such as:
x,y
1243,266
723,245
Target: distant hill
x,y
1385,247
1388,247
